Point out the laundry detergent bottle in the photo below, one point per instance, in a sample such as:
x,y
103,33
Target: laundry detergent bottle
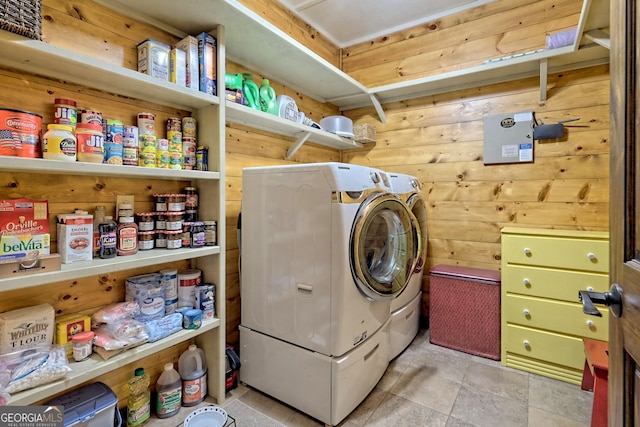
x,y
268,101
193,371
169,392
251,92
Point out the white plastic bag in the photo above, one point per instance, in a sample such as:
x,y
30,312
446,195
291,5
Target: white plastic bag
x,y
33,367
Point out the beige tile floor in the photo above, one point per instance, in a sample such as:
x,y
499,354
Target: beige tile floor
x,y
429,385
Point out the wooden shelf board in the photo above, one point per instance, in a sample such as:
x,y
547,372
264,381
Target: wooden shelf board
x,y
257,119
62,167
250,41
95,366
105,266
38,57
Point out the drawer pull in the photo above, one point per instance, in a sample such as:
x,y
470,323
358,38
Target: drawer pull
x,y
527,251
527,282
526,312
590,323
526,343
591,256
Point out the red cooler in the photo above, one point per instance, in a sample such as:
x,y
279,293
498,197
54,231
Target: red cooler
x,y
465,310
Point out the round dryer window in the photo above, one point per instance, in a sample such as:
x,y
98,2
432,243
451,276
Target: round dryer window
x,y
384,246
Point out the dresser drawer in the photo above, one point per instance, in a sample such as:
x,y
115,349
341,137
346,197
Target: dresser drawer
x,y
547,346
566,253
558,316
551,283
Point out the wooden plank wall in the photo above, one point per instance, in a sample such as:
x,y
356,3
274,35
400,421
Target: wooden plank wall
x,y
439,138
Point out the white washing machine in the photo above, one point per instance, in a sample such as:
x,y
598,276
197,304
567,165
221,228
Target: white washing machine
x,y
406,307
325,247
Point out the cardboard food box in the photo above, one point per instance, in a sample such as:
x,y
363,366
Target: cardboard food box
x,y
207,62
24,227
26,328
69,325
178,67
153,59
75,237
190,45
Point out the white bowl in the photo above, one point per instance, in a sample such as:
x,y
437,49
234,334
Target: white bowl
x,y
207,416
340,125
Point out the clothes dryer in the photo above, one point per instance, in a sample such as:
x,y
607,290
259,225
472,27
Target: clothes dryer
x,y
326,247
405,308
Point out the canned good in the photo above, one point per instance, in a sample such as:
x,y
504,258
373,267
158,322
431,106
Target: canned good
x,y
20,133
162,144
130,145
162,159
148,160
205,300
188,153
189,127
174,124
175,160
113,142
175,141
202,158
90,116
146,124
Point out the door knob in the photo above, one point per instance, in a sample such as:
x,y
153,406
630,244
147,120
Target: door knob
x,y
612,299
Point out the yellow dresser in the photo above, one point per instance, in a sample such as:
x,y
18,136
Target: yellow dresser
x,y
542,319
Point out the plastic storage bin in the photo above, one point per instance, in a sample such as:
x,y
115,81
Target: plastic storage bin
x,y
464,312
93,405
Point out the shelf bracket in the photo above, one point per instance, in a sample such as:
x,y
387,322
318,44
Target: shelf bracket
x,y
296,145
378,106
544,67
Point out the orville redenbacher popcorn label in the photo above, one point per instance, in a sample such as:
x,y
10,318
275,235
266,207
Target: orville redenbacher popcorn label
x,y
24,228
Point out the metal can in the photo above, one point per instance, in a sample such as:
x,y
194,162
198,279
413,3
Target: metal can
x,y
174,124
20,133
130,145
189,127
91,116
174,141
162,144
113,142
202,158
146,124
188,153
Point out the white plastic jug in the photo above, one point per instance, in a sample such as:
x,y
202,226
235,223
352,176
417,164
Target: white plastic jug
x,y
192,367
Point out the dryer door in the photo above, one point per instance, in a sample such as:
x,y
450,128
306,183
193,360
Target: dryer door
x,y
384,246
